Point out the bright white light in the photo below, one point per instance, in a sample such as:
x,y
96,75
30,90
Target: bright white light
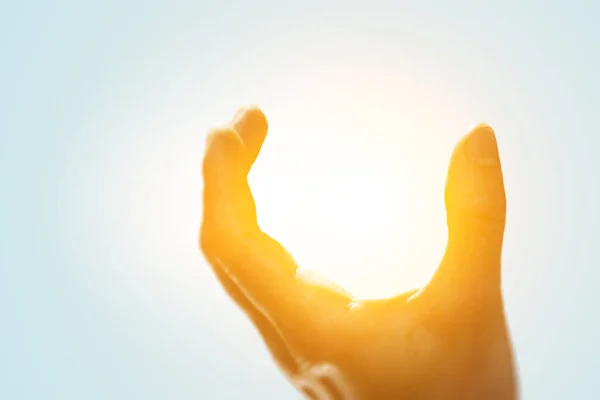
x,y
350,179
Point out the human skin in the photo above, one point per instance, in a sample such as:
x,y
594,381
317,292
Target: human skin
x,y
447,340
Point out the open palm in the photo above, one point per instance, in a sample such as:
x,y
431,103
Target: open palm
x,y
447,340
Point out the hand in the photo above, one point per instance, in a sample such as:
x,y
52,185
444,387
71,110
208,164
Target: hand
x,y
447,340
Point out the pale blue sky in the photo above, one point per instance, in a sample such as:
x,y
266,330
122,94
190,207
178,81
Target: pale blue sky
x,y
103,111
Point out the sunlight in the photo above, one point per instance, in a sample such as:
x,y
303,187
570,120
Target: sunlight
x,y
343,185
350,178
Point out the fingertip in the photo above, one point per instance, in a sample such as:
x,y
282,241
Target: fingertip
x,y
481,126
250,120
482,147
251,125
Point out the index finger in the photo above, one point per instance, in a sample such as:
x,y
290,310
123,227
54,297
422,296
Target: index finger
x,y
232,241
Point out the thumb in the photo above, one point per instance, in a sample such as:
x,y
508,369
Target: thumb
x,y
475,197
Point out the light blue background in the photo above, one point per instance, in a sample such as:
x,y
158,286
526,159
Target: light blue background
x,y
97,100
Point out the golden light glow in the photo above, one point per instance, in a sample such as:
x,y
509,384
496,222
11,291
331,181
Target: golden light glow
x,y
350,178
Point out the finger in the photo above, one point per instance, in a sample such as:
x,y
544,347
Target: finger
x,y
476,211
252,126
233,243
475,198
467,281
230,152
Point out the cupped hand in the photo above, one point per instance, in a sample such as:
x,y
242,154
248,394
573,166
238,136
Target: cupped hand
x,y
447,340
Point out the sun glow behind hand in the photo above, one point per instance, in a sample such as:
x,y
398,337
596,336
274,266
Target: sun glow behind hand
x,y
343,196
350,178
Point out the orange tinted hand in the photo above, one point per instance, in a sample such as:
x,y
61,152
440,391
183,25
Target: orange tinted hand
x,y
446,341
